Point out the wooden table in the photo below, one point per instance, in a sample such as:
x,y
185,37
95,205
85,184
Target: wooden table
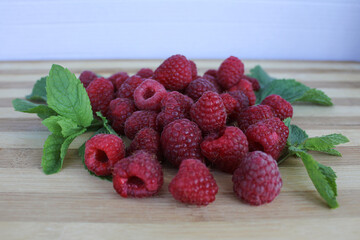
x,y
75,205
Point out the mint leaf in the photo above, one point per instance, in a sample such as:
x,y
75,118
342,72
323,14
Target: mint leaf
x,y
43,111
289,89
67,96
54,152
106,124
296,136
39,91
323,178
315,96
259,73
326,143
60,125
82,155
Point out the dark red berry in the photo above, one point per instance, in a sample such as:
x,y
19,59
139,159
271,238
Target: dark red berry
x,y
86,77
128,87
246,87
280,107
139,120
145,73
197,87
101,92
120,109
146,139
254,82
252,115
193,69
138,175
230,72
148,95
102,152
118,79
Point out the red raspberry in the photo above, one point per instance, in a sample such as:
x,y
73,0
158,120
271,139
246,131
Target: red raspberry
x,y
213,81
180,140
252,115
101,92
120,109
230,103
102,152
193,69
242,102
173,106
148,95
146,139
197,87
280,107
86,77
139,120
254,82
226,148
230,72
246,87
193,184
174,73
269,136
118,79
138,176
257,180
128,87
145,73
209,112
211,72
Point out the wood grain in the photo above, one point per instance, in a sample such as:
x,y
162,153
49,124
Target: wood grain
x,y
74,205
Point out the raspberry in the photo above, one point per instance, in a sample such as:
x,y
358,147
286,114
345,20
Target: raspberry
x,y
86,77
148,95
146,139
118,79
138,176
225,149
230,103
193,69
254,82
174,73
280,107
180,140
209,112
252,115
145,73
101,92
257,180
269,136
230,72
193,184
246,87
213,81
119,110
139,120
102,152
173,106
242,102
197,87
211,72
128,87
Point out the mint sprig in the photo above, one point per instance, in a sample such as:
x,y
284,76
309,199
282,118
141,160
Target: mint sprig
x,y
289,89
39,91
323,177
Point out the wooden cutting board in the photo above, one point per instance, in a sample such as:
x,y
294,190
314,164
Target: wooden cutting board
x,y
74,205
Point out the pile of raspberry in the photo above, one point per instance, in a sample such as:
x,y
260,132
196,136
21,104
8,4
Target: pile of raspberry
x,y
195,123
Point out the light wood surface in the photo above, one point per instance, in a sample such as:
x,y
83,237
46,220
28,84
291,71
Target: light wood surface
x,y
74,205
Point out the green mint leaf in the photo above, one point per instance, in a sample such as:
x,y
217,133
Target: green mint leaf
x,y
60,125
315,96
39,91
326,143
287,122
55,149
106,124
289,89
82,155
43,111
323,178
67,96
259,73
296,136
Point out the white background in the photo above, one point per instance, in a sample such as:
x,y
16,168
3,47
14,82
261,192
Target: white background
x,y
89,29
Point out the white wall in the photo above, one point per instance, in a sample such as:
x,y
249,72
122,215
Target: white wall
x,y
90,29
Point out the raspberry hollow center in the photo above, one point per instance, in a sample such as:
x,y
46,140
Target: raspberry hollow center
x,y
135,183
101,156
149,92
